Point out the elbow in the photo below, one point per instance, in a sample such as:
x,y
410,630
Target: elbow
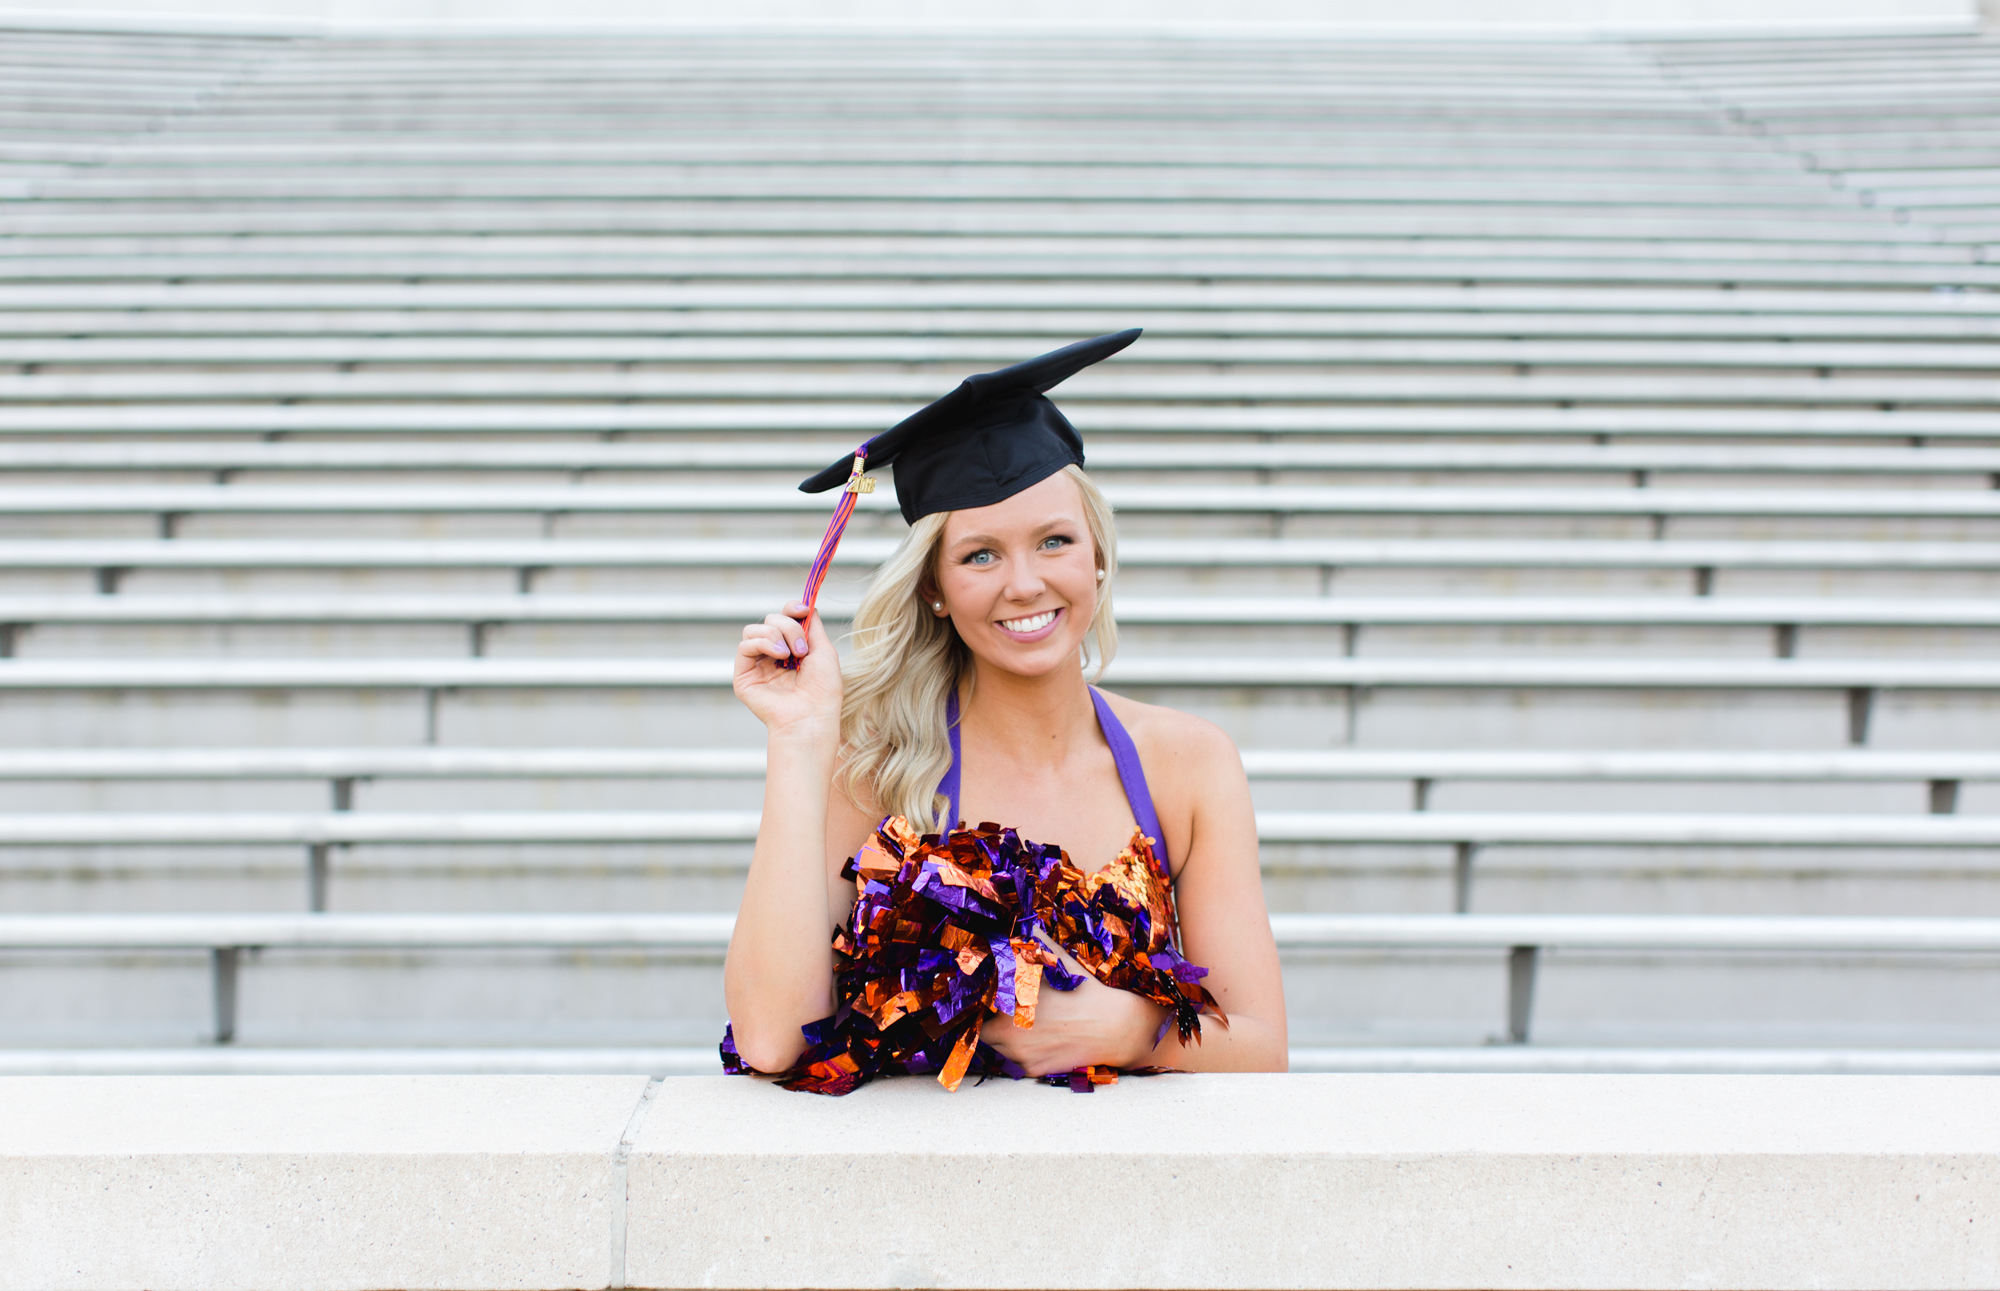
x,y
767,1048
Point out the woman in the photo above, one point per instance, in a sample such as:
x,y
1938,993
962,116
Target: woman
x,y
1001,589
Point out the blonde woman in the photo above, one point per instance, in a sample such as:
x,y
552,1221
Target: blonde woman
x,y
965,699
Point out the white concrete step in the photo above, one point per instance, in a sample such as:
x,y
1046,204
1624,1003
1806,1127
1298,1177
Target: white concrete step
x,y
1360,267
1385,353
291,500
1220,611
1638,463
1023,325
109,560
1335,299
857,421
1179,672
612,385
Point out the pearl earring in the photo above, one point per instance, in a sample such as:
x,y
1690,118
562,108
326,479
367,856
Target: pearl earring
x,y
1100,575
938,606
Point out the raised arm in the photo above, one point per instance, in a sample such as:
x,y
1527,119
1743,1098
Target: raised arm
x,y
779,974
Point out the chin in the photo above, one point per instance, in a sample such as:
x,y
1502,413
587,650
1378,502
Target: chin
x,y
1038,660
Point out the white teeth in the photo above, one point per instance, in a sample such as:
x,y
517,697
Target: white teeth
x,y
1033,623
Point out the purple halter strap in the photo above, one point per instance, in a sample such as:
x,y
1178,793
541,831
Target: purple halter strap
x,y
1123,752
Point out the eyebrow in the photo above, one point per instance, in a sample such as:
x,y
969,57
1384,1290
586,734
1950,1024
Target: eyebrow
x,y
987,539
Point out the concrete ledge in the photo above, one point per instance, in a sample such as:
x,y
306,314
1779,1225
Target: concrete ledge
x,y
284,1183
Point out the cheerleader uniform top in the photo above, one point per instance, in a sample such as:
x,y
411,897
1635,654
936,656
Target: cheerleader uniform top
x,y
949,930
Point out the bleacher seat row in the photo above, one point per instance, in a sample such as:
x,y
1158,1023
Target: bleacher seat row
x,y
1573,462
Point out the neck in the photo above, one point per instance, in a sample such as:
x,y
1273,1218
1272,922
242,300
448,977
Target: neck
x,y
1029,719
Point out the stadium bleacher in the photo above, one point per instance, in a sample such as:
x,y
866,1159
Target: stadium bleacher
x,y
1570,468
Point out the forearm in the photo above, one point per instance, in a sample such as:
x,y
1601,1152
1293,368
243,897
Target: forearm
x,y
1247,1044
779,974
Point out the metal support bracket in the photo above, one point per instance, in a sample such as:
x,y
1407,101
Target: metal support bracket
x,y
1860,709
316,877
222,964
1944,797
1355,697
1521,962
1461,877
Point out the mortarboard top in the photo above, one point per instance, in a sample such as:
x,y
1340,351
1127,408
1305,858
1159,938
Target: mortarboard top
x,y
994,436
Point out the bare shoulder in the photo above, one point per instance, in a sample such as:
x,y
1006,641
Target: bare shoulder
x,y
1178,746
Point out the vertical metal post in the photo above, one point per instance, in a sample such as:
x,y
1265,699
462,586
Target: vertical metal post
x,y
1704,580
8,633
1944,797
1860,708
1420,794
222,962
1350,638
318,854
316,878
1461,878
1786,640
430,715
1520,991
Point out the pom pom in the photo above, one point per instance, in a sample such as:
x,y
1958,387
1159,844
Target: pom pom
x,y
949,931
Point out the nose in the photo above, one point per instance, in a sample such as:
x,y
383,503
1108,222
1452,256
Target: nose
x,y
1024,583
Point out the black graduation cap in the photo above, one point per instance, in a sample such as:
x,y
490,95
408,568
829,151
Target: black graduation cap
x,y
985,441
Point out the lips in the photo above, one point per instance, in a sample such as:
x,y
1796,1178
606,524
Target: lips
x,y
1030,627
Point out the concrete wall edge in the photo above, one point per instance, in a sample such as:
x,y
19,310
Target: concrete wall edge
x,y
1231,1182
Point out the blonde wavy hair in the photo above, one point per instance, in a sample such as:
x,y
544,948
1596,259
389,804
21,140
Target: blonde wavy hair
x,y
903,660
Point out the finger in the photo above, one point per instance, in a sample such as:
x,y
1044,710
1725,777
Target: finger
x,y
1001,1033
817,637
789,630
761,640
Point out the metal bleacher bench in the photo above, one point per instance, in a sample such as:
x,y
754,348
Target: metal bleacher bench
x,y
858,420
1858,679
1784,616
171,502
225,938
1279,352
224,458
110,560
1464,831
1422,768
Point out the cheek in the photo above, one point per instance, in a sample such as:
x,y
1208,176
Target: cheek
x,y
958,585
1078,586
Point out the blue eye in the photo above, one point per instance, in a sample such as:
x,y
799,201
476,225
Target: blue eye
x,y
1054,541
982,557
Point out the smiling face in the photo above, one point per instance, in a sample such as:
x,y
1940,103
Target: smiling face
x,y
1019,578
